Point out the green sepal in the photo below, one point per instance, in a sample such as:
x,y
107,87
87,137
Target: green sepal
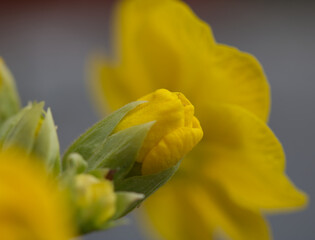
x,y
145,185
88,142
119,151
124,200
9,98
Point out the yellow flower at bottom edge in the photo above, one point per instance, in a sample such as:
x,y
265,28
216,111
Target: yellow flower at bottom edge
x,y
237,171
31,208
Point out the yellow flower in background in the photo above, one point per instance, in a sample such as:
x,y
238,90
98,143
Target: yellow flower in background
x,y
174,134
237,172
31,208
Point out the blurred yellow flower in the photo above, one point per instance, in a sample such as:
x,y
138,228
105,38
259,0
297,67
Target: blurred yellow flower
x,y
175,132
238,169
31,207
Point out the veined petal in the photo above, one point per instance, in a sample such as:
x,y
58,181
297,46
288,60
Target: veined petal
x,y
199,210
234,77
158,35
241,153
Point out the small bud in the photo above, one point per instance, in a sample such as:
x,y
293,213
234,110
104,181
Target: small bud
x,y
76,163
94,203
95,200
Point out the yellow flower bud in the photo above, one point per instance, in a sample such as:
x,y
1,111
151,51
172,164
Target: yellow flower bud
x,y
175,132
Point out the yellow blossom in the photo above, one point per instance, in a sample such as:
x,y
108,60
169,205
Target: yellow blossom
x,y
175,132
31,207
237,172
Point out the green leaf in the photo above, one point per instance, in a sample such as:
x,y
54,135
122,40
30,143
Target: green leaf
x,y
146,185
88,142
119,151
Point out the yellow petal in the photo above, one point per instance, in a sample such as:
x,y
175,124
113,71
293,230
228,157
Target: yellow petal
x,y
173,216
156,36
234,77
170,149
197,209
241,153
226,217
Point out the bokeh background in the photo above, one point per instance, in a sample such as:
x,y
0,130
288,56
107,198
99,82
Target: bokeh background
x,y
47,44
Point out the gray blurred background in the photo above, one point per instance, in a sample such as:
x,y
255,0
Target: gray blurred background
x,y
46,46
